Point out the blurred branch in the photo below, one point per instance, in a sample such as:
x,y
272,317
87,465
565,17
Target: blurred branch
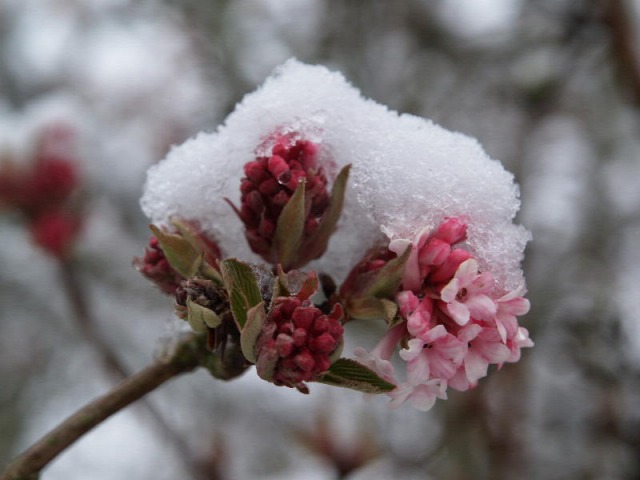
x,y
86,324
115,368
28,465
618,18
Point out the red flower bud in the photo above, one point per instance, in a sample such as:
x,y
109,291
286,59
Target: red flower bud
x,y
55,232
301,339
155,267
268,186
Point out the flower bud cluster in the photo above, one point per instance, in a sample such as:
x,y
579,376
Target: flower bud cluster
x,y
455,323
43,191
298,341
187,239
269,183
155,267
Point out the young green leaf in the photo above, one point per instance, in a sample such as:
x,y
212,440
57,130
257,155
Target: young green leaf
x,y
281,284
290,228
242,286
386,281
251,331
317,243
180,254
348,373
372,308
201,318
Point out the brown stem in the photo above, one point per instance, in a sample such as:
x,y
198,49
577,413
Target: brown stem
x,y
86,323
115,368
619,20
28,465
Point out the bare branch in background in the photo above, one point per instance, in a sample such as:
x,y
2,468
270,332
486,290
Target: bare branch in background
x,y
618,17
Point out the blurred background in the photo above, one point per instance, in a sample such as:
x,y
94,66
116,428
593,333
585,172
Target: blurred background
x,y
549,87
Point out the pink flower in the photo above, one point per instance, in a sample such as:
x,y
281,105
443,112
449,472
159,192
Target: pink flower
x,y
422,396
432,350
417,312
436,354
465,295
520,340
430,250
509,307
484,348
378,359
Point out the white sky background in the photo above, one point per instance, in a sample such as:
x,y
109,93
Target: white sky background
x,y
133,85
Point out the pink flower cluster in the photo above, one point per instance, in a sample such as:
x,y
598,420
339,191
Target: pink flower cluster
x,y
455,322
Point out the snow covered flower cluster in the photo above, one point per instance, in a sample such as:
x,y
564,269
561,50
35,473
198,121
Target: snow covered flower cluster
x,y
401,220
42,188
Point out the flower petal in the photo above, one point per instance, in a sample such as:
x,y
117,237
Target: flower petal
x,y
459,312
475,366
481,307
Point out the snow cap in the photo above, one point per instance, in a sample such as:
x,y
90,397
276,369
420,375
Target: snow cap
x,y
407,173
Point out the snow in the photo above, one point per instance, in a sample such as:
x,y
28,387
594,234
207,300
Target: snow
x,y
407,174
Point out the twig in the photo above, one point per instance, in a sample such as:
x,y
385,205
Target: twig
x,y
28,465
623,43
86,323
115,368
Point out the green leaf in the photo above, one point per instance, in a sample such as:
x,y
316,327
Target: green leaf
x,y
372,308
386,281
201,318
187,231
335,355
348,373
365,308
317,244
290,228
180,254
390,311
242,286
266,364
281,284
251,331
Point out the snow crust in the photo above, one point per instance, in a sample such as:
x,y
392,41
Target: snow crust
x,y
407,173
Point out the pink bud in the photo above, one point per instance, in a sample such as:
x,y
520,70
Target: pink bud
x,y
446,271
452,230
304,361
279,169
324,343
284,345
434,252
303,317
